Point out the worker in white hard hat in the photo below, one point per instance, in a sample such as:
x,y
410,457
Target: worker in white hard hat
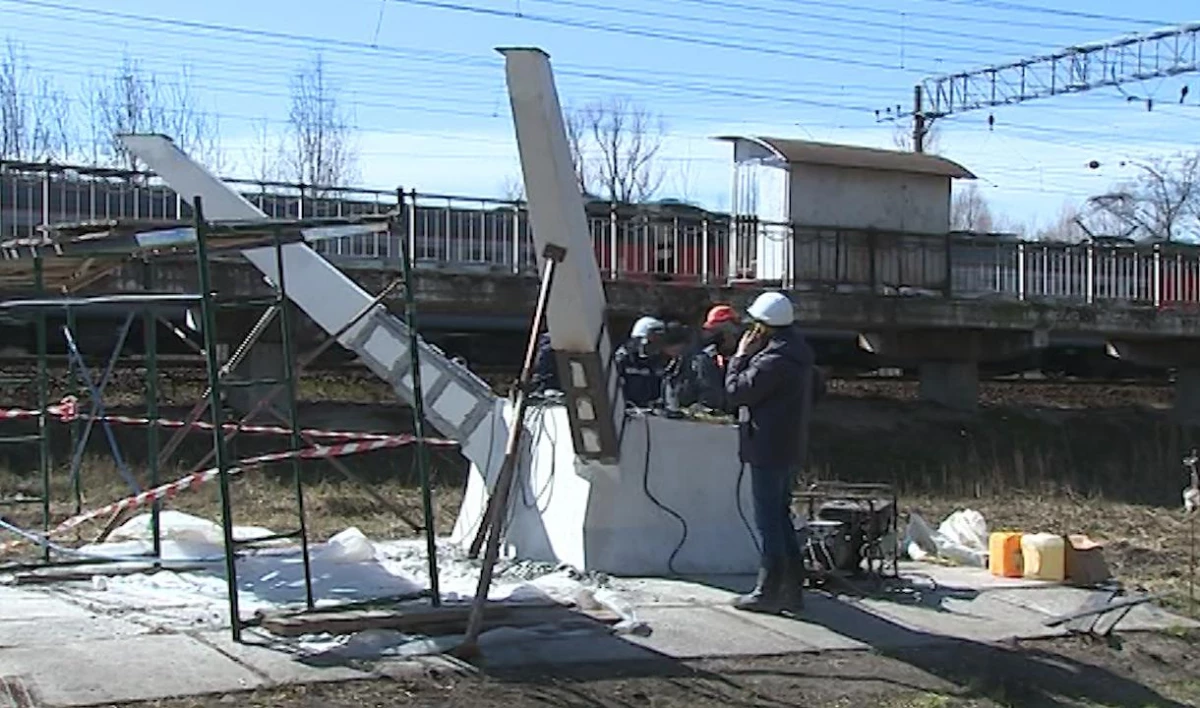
x,y
640,363
769,380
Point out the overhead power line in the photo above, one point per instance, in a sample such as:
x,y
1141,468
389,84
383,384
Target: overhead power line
x,y
1057,12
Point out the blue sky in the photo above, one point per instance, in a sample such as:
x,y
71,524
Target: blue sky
x,y
426,90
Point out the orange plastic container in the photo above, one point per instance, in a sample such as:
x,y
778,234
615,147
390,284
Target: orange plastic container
x,y
1004,554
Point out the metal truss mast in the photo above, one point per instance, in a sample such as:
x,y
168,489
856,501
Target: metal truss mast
x,y
1167,52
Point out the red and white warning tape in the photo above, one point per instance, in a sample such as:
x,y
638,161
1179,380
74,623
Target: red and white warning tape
x,y
167,491
67,411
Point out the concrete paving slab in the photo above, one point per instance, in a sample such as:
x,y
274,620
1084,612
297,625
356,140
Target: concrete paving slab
x,y
54,631
577,648
277,666
963,578
691,592
978,620
829,624
1047,601
28,605
698,632
124,670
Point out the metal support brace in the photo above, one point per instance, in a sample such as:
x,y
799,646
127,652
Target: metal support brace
x,y
97,409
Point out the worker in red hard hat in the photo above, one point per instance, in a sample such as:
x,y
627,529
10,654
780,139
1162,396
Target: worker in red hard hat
x,y
721,330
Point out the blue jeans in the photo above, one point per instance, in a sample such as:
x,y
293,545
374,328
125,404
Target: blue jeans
x,y
771,489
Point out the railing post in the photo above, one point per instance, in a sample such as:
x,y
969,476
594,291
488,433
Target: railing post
x,y
1021,271
516,238
1157,275
46,198
948,289
1089,283
705,276
613,270
410,208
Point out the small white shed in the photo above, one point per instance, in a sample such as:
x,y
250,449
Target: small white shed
x,y
813,185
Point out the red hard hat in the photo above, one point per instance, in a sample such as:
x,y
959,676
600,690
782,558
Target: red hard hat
x,y
720,314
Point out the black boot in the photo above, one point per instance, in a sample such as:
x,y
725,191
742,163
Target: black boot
x,y
791,585
765,595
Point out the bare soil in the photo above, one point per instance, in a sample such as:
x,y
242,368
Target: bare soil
x,y
1146,670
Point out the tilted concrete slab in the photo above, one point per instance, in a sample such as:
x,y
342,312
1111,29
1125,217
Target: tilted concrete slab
x,y
124,670
57,631
267,660
701,632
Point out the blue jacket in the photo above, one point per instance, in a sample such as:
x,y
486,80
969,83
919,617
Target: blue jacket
x,y
775,387
641,374
545,368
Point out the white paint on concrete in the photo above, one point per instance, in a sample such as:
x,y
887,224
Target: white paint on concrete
x,y
596,522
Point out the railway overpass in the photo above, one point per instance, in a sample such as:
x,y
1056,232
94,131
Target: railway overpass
x,y
945,305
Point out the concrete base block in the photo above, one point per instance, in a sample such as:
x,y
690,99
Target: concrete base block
x,y
953,384
602,517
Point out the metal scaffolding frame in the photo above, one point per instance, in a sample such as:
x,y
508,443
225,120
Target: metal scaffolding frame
x,y
151,307
113,244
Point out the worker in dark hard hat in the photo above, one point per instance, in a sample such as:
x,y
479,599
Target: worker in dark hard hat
x,y
640,363
677,380
719,341
769,380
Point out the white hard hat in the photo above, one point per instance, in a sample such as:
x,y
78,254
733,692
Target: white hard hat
x,y
645,325
772,309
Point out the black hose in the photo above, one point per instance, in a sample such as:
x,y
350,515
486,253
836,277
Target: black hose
x,y
659,504
737,495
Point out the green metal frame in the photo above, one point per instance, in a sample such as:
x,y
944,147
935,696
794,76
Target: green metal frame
x,y
421,458
43,436
211,303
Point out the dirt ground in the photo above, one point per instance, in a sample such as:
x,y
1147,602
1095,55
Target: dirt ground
x,y
1146,670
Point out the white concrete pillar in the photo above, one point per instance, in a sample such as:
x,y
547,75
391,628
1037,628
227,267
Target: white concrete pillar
x,y
953,384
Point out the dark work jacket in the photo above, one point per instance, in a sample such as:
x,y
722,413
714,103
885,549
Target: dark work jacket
x,y
775,387
545,368
641,374
707,379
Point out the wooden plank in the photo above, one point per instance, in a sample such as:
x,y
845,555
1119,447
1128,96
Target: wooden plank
x,y
430,621
54,575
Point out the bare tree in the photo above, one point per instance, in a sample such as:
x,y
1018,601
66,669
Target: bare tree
x,y
261,157
902,137
969,211
319,150
1163,202
134,100
616,144
513,189
1067,227
35,117
683,180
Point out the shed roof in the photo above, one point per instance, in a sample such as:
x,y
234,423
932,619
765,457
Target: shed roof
x,y
807,152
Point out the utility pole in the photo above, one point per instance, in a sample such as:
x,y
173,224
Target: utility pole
x,y
918,134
